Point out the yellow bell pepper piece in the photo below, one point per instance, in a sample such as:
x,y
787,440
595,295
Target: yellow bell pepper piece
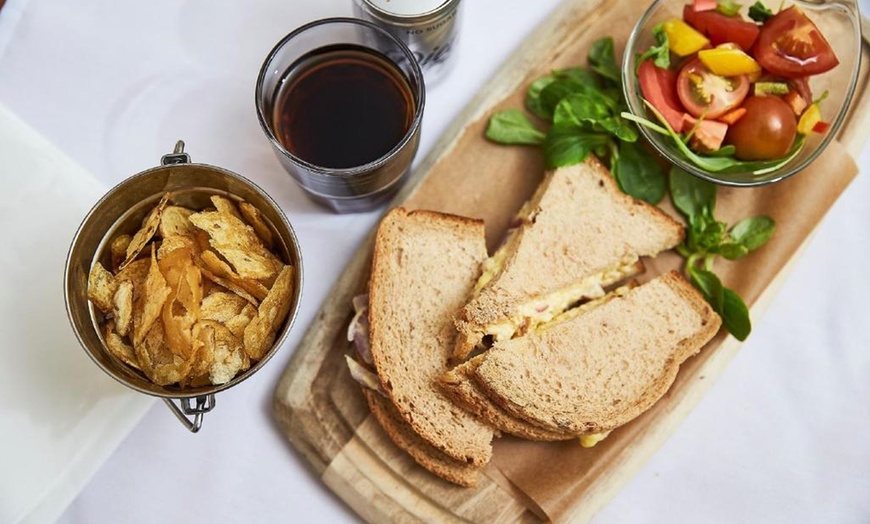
x,y
726,61
811,117
683,39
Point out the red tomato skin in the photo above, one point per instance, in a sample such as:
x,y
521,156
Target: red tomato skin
x,y
721,29
659,89
771,46
721,101
766,132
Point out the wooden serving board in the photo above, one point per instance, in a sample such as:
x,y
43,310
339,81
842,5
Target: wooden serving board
x,y
323,414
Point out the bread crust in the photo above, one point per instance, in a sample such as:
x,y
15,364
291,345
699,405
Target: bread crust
x,y
422,452
495,375
458,385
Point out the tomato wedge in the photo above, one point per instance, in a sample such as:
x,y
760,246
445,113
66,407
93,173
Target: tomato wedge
x,y
658,88
721,29
706,94
791,45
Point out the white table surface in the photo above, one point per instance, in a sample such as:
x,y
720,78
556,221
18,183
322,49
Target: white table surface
x,y
783,436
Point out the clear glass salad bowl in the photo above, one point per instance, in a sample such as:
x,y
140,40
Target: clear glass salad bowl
x,y
839,22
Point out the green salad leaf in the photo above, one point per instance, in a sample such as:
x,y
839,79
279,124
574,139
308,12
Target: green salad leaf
x,y
513,127
584,106
707,238
759,12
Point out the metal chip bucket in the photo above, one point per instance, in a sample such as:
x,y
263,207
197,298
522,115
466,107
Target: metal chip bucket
x,y
121,210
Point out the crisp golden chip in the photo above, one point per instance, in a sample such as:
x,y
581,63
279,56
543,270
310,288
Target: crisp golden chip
x,y
226,284
123,307
255,219
102,286
238,323
144,235
222,307
174,221
118,249
261,331
225,205
136,272
181,312
119,348
221,269
176,242
177,329
229,357
203,353
157,361
238,244
152,299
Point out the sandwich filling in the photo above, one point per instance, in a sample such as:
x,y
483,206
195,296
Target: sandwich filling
x,y
530,315
361,365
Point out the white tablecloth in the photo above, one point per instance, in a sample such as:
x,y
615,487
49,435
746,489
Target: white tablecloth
x,y
783,436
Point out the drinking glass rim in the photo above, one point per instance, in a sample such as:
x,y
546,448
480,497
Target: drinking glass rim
x,y
417,75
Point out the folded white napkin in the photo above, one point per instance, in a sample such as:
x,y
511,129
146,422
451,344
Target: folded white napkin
x,y
60,415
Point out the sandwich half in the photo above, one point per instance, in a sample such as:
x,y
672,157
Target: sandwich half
x,y
423,269
598,370
577,235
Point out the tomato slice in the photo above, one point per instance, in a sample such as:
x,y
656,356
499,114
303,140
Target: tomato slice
x,y
704,93
659,89
791,45
721,29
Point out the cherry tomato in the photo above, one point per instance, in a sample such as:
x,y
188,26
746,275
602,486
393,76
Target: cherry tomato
x,y
791,45
706,94
765,132
657,86
721,29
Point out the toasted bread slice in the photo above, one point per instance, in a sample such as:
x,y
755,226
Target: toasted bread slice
x,y
578,234
422,452
424,267
597,371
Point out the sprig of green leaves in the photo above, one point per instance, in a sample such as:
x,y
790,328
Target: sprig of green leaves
x,y
584,107
759,12
707,238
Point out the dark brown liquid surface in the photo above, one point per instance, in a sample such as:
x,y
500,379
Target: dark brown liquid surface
x,y
343,106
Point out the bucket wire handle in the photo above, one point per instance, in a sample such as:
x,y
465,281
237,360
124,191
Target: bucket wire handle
x,y
178,156
204,404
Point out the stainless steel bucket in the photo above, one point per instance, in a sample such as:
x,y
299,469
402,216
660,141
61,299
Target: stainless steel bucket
x,y
121,210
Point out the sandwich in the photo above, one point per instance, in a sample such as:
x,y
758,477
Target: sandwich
x,y
593,372
576,236
424,267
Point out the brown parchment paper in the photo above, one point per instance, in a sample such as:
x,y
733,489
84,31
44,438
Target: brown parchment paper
x,y
547,472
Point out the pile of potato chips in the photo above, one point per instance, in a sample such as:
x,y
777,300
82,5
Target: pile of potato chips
x,y
194,297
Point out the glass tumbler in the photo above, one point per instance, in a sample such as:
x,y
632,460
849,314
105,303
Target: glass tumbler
x,y
328,58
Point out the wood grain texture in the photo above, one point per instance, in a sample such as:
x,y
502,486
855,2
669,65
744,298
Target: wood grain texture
x,y
323,414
